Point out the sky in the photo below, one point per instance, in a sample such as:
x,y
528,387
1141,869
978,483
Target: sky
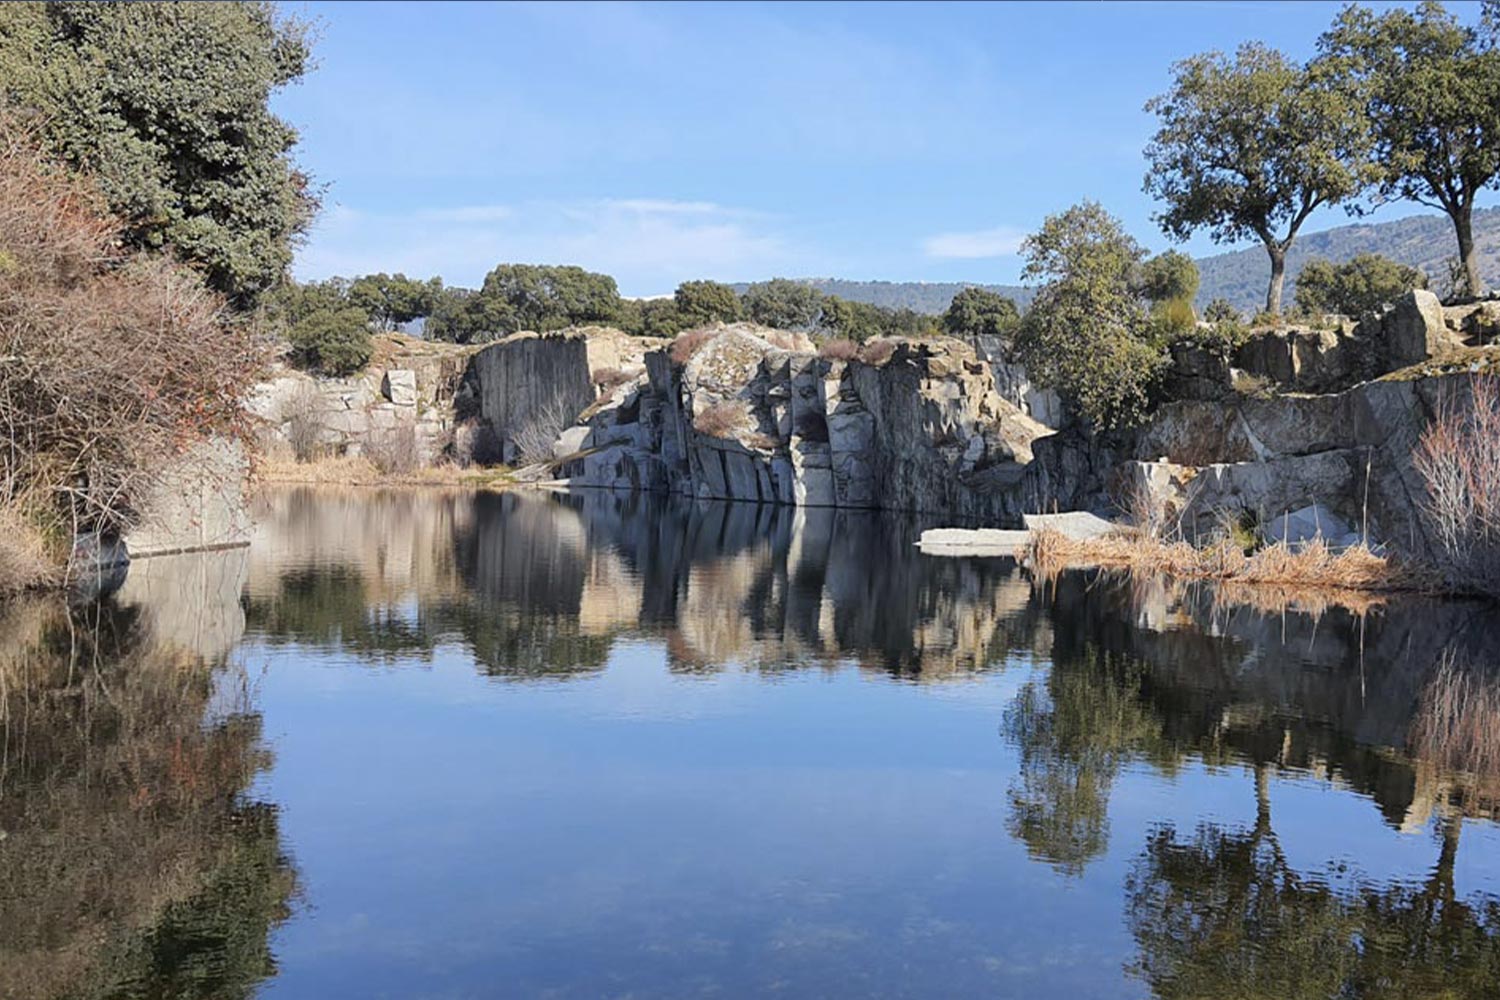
x,y
665,142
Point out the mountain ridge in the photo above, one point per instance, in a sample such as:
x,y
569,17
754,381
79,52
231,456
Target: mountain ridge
x,y
1422,241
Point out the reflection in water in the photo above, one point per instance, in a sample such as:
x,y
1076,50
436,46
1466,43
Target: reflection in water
x,y
539,586
731,748
132,862
1224,914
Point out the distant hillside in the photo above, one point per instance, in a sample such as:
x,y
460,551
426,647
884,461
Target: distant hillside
x,y
1424,241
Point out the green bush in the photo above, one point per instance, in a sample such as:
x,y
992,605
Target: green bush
x,y
331,341
1358,288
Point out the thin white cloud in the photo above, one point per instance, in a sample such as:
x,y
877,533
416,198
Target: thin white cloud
x,y
466,213
980,243
1001,241
648,245
657,206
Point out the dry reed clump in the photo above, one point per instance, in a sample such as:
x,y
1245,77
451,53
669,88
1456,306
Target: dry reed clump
x,y
840,349
1458,457
688,343
877,352
1457,725
1310,566
111,363
722,418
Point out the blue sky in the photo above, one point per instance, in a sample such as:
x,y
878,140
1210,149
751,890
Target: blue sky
x,y
664,142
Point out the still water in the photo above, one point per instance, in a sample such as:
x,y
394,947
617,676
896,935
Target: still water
x,y
445,745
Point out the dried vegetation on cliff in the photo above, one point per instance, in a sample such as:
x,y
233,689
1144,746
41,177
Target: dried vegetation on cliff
x,y
111,363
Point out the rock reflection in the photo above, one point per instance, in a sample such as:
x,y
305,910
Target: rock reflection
x,y
542,586
133,863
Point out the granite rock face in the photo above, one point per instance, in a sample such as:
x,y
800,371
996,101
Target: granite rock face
x,y
410,387
753,415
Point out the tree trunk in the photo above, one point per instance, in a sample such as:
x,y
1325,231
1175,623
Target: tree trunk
x,y
1463,223
1278,278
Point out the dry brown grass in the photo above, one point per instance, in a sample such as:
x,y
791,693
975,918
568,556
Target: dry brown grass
x,y
360,471
25,560
839,350
1310,567
723,418
688,343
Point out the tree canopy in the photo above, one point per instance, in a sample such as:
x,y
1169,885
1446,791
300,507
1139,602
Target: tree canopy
x,y
1428,91
1086,333
699,303
394,299
784,304
167,104
1248,147
977,312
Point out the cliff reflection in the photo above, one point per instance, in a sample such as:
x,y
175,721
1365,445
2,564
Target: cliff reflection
x,y
542,586
133,863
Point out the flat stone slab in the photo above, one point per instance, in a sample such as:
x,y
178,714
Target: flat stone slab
x,y
1079,524
973,542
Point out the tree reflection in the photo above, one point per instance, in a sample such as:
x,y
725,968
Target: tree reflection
x,y
1224,914
133,865
1073,738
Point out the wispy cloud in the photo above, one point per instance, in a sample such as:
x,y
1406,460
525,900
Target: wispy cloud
x,y
1001,241
649,245
465,213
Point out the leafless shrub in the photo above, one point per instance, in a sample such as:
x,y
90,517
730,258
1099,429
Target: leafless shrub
x,y
111,363
689,343
534,441
877,352
1457,725
722,418
302,414
1144,510
1458,457
839,350
764,442
394,450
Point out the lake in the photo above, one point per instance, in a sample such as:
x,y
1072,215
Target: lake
x,y
431,744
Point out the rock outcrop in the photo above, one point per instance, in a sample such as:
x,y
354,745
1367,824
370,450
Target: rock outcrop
x,y
1343,354
412,388
754,415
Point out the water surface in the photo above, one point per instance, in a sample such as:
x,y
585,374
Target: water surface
x,y
447,745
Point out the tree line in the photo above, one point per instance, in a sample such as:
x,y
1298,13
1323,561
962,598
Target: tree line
x,y
328,323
